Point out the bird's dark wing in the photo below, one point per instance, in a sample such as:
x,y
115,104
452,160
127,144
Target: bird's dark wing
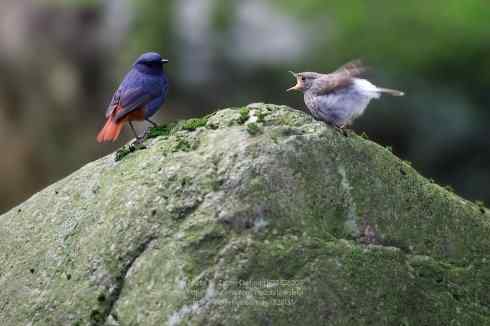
x,y
128,101
330,83
340,78
112,106
353,68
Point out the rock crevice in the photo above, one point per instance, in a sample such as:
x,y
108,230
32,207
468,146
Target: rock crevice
x,y
115,292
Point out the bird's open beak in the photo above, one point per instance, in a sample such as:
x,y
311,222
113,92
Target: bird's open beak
x,y
299,84
164,61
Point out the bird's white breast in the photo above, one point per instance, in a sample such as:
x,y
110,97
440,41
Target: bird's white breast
x,y
343,105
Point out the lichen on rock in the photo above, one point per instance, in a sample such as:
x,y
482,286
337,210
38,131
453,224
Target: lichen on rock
x,y
263,218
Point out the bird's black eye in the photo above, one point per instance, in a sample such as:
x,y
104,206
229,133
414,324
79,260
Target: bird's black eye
x,y
303,78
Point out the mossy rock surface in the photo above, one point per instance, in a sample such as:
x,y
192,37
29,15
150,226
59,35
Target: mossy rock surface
x,y
266,219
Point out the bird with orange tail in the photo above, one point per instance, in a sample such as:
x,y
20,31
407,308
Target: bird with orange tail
x,y
138,98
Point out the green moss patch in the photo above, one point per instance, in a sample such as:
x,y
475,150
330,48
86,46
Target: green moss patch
x,y
123,152
244,115
253,129
182,145
193,124
261,116
163,130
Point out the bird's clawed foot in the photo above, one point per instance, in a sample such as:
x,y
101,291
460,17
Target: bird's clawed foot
x,y
147,132
140,139
138,143
343,130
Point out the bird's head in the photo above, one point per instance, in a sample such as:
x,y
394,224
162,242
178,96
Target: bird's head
x,y
304,81
150,62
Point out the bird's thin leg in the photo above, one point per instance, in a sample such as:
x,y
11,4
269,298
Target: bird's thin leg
x,y
133,130
147,131
138,143
138,138
152,122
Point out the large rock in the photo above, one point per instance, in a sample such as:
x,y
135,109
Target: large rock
x,y
258,216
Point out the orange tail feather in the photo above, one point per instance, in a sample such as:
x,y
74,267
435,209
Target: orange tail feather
x,y
110,132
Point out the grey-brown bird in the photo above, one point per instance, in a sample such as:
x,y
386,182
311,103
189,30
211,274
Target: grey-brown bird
x,y
340,97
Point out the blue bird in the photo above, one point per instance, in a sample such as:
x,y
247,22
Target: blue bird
x,y
138,98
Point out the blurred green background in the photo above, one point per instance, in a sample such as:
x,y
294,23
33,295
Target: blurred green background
x,y
60,62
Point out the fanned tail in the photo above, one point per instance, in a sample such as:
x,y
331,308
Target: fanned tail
x,y
111,131
393,92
